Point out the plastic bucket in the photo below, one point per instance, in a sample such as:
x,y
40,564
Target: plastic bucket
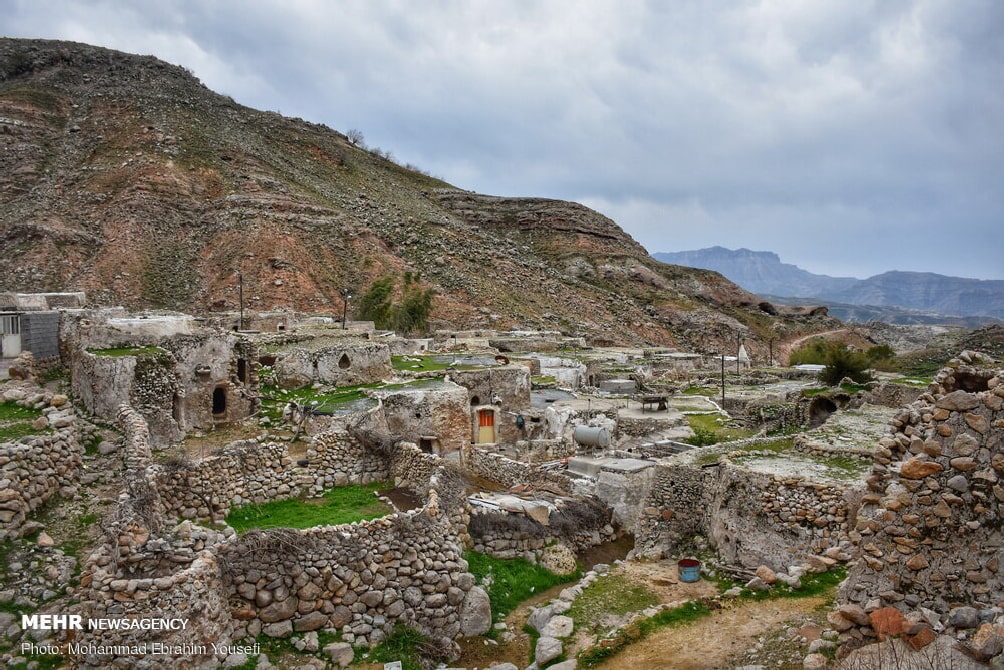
x,y
689,569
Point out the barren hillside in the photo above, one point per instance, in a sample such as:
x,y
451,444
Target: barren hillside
x,y
124,177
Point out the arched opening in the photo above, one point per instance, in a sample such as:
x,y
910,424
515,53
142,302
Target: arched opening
x,y
242,370
820,410
344,363
219,401
475,400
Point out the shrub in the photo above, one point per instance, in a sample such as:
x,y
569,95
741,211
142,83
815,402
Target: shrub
x,y
410,314
842,362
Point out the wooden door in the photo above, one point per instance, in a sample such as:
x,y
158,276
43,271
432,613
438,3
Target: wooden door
x,y
486,426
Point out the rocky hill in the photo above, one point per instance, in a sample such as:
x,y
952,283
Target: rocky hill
x,y
125,177
931,296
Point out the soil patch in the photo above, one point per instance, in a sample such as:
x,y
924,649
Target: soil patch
x,y
714,641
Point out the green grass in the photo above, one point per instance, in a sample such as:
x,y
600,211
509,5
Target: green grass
x,y
15,421
345,504
401,645
15,431
612,594
274,398
701,390
116,352
708,430
423,364
426,364
678,616
10,411
846,388
513,580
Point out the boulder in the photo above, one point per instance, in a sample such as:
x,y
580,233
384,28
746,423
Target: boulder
x,y
475,613
548,649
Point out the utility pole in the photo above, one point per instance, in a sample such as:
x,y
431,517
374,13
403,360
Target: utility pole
x,y
723,380
240,299
739,344
345,305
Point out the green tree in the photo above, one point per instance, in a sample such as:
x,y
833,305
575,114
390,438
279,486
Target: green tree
x,y
843,362
376,305
409,315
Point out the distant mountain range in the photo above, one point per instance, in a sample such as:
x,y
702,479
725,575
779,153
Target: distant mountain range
x,y
898,297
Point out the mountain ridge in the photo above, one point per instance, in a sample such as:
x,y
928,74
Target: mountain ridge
x,y
763,273
127,178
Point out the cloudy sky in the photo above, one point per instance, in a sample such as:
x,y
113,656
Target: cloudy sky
x,y
849,136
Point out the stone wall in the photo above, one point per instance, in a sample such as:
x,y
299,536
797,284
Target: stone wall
x,y
580,525
338,364
39,466
672,511
930,529
251,472
497,468
361,578
751,518
146,568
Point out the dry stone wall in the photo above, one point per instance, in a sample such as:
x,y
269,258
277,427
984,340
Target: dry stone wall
x,y
252,472
497,468
361,579
752,518
931,529
37,467
147,568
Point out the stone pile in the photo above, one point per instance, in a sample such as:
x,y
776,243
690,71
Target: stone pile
x,y
38,466
929,527
497,468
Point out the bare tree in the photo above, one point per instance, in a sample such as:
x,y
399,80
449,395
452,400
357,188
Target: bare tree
x,y
355,137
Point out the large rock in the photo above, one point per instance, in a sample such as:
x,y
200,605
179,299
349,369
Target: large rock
x,y
558,626
559,559
548,649
917,468
340,653
475,613
280,610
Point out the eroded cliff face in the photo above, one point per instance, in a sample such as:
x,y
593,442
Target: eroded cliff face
x,y
931,527
126,178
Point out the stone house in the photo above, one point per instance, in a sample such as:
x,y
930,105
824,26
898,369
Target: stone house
x,y
497,398
180,375
335,362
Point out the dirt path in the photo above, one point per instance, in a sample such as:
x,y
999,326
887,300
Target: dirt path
x,y
714,641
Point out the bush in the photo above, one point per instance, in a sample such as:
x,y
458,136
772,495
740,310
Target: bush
x,y
842,362
410,314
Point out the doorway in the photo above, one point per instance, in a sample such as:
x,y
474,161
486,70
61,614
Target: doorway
x,y
486,426
219,402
